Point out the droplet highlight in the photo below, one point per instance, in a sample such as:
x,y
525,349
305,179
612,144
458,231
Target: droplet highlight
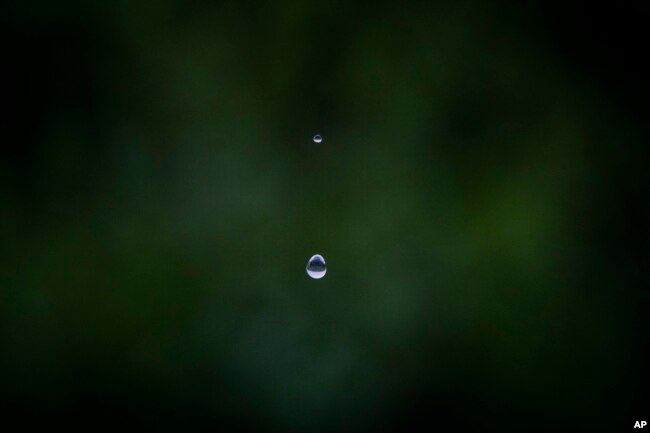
x,y
317,138
316,267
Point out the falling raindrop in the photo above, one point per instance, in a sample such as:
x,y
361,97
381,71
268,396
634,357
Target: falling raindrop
x,y
317,138
316,267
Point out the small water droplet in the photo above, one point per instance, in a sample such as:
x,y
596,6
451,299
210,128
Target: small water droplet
x,y
316,267
317,138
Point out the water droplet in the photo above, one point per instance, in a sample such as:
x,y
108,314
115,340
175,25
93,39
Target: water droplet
x,y
316,267
317,138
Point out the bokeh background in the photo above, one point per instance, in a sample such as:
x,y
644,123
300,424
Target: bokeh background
x,y
480,197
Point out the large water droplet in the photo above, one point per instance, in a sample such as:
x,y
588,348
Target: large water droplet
x,y
317,138
316,267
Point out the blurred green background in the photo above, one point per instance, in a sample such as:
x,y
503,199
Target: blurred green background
x,y
480,197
